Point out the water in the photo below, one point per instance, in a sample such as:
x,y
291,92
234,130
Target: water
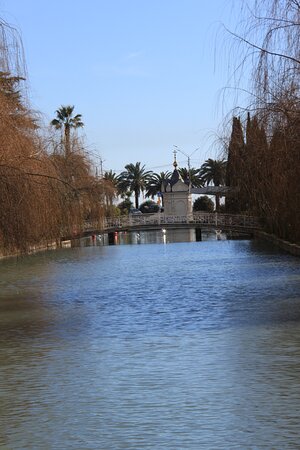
x,y
178,346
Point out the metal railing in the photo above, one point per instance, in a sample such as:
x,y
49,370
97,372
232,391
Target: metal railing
x,y
215,220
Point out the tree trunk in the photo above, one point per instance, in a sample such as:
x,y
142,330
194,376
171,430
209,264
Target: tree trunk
x,y
67,141
136,194
217,202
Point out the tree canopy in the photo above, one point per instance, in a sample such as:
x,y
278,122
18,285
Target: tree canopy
x,y
66,121
135,178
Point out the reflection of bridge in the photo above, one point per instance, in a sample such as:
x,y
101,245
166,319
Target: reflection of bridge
x,y
144,222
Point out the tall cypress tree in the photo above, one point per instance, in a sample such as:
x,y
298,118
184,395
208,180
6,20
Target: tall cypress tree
x,y
234,161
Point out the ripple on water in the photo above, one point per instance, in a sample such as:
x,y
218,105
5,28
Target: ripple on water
x,y
182,346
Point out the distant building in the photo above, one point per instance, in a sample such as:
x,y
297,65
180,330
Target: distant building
x,y
177,195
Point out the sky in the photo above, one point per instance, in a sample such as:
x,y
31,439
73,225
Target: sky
x,y
146,75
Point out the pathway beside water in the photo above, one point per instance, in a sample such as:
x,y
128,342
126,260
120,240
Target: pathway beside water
x,y
191,345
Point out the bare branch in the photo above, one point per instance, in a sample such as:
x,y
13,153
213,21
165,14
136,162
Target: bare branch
x,y
263,50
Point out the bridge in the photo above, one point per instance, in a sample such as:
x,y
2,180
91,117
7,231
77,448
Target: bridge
x,y
144,222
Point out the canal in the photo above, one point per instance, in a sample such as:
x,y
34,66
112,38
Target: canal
x,y
191,345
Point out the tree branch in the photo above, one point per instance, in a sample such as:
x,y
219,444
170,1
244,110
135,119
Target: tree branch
x,y
263,50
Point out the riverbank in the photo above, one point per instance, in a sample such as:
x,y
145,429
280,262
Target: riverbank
x,y
289,247
51,245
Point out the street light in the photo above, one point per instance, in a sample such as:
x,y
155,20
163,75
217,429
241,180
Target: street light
x,y
188,157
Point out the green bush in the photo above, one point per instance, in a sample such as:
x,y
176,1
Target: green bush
x,y
125,206
149,206
203,203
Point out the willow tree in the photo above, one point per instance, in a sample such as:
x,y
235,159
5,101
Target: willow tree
x,y
31,191
41,197
73,167
66,121
19,191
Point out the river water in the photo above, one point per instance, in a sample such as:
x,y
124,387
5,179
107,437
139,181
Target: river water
x,y
192,345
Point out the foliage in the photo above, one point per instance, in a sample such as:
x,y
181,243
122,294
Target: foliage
x,y
28,195
135,179
44,194
203,203
265,177
27,180
66,121
191,175
265,170
110,181
125,206
149,206
112,211
155,183
235,156
214,171
82,191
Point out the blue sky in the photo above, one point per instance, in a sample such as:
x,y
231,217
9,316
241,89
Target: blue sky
x,y
144,74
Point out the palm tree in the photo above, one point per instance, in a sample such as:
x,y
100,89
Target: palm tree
x,y
135,179
110,180
123,186
214,171
191,176
154,185
112,177
65,119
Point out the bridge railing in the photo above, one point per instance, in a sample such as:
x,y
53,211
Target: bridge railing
x,y
228,220
209,219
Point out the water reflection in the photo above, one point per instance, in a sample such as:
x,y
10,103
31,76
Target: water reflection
x,y
162,236
181,346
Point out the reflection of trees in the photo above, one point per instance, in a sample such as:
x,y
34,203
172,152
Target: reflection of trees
x,y
23,316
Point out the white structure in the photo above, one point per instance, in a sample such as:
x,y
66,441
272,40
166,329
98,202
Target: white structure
x,y
177,195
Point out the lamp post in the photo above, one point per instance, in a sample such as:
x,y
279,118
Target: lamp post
x,y
188,161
